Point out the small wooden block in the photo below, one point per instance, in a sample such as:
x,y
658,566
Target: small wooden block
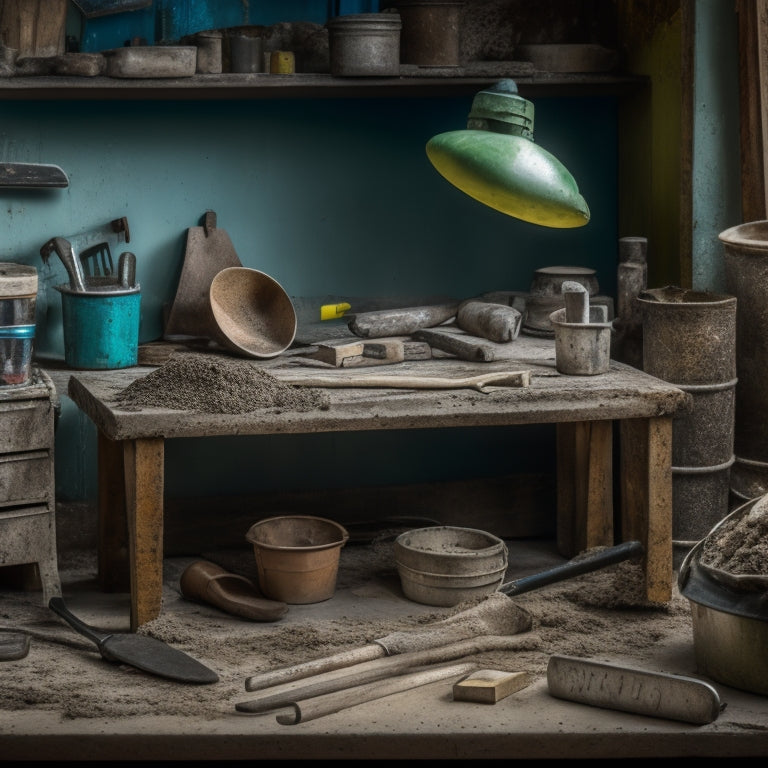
x,y
335,351
487,686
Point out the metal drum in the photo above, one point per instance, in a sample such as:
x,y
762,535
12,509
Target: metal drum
x,y
746,274
689,340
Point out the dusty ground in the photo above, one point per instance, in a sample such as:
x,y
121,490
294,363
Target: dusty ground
x,y
583,616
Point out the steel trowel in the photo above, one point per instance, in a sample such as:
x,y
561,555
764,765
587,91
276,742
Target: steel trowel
x,y
141,651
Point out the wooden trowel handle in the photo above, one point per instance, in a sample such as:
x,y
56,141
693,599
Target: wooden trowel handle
x,y
314,667
480,382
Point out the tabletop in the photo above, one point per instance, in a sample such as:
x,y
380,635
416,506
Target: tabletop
x,y
546,396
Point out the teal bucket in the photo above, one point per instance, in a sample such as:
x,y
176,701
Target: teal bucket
x,y
101,328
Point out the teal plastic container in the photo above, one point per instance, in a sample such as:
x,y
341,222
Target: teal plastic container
x,y
101,328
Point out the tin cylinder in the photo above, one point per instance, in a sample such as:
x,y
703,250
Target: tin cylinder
x,y
18,298
430,34
364,44
689,340
101,330
746,277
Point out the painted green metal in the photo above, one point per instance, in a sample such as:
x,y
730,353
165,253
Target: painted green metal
x,y
496,162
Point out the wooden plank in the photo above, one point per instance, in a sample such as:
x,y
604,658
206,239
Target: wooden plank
x,y
144,486
113,565
646,498
584,486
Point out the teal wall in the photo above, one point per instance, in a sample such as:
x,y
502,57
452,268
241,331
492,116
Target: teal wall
x,y
327,196
716,161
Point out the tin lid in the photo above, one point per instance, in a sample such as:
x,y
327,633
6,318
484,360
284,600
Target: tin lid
x,y
366,22
17,280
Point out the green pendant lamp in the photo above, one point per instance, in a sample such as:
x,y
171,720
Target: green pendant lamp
x,y
497,162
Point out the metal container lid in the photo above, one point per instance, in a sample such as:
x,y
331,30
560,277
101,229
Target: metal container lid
x,y
366,22
17,280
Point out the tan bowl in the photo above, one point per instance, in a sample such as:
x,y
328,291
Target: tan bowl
x,y
297,557
252,314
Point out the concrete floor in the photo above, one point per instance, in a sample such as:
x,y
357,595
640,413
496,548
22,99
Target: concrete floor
x,y
423,723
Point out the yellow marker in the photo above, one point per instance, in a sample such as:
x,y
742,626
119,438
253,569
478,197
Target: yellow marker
x,y
333,311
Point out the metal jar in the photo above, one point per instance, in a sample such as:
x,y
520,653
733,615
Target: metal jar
x,y
689,340
365,44
430,35
746,277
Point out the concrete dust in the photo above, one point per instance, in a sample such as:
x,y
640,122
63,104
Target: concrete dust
x,y
63,672
216,384
740,544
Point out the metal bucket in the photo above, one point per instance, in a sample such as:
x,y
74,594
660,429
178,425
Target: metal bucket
x,y
728,610
689,340
365,44
101,328
746,275
446,565
430,35
18,296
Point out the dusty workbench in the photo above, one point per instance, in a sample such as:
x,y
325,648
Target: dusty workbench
x,y
584,408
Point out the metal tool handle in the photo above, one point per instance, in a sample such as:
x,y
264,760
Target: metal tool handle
x,y
575,567
57,605
67,255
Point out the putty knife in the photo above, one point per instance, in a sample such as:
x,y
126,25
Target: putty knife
x,y
141,651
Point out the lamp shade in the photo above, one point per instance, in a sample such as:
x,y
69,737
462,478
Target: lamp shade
x,y
496,162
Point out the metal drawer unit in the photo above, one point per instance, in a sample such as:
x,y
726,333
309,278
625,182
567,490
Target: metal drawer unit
x,y
27,481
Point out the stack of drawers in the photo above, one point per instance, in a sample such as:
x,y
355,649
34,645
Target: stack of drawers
x,y
27,482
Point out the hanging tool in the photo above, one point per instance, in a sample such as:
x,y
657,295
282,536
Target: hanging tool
x,y
32,175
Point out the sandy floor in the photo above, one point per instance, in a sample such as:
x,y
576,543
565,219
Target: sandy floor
x,y
65,682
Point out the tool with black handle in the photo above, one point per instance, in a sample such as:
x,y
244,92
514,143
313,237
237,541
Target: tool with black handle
x,y
140,651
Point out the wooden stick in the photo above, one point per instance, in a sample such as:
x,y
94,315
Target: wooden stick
x,y
319,706
366,672
480,382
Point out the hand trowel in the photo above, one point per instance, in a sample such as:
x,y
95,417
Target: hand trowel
x,y
141,651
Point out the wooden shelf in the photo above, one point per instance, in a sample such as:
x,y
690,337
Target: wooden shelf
x,y
302,86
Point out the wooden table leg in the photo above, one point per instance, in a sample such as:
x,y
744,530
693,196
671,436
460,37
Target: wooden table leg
x,y
114,573
646,498
143,462
584,486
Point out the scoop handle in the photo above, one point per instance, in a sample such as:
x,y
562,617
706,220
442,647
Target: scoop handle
x,y
575,567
